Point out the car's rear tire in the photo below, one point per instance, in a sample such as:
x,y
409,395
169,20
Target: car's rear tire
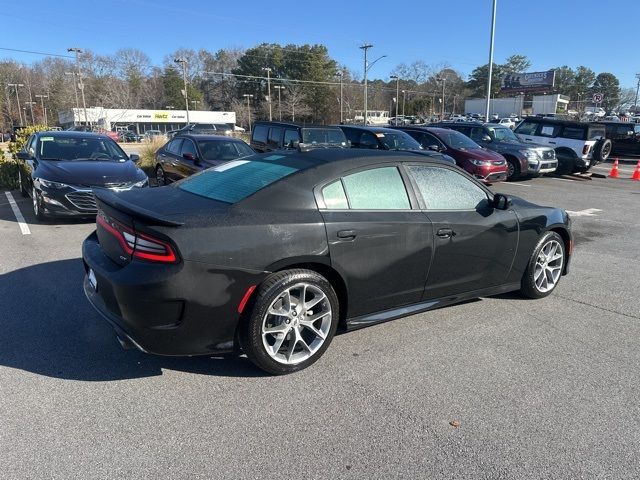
x,y
513,169
293,319
161,178
545,267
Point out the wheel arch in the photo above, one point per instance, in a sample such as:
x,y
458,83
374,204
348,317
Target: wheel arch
x,y
322,266
566,239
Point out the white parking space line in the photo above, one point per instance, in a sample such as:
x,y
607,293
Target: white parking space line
x,y
24,228
520,185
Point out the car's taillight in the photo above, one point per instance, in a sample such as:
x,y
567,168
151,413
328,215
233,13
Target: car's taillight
x,y
138,245
585,149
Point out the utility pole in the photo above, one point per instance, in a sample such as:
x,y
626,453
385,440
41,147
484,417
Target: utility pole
x,y
404,99
443,78
75,88
365,47
44,111
493,33
279,88
397,78
31,104
248,96
341,75
268,70
183,62
16,85
78,51
635,104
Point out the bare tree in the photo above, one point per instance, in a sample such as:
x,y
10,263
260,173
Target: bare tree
x,y
294,102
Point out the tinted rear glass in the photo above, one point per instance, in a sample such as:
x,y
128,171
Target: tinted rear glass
x,y
323,135
236,180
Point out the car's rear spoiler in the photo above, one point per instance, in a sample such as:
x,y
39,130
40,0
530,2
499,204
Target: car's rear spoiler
x,y
153,218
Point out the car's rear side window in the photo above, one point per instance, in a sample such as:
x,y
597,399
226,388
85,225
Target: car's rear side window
x,y
334,196
575,133
376,189
236,180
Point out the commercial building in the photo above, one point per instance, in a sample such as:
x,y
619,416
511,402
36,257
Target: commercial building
x,y
141,120
504,107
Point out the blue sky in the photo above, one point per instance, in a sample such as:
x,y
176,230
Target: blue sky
x,y
600,35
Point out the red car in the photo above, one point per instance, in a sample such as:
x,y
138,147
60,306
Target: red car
x,y
483,164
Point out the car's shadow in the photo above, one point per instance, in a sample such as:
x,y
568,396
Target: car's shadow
x,y
48,327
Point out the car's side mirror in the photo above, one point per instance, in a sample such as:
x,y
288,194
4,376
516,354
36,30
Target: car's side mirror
x,y
22,155
486,138
134,158
435,148
501,201
189,156
295,144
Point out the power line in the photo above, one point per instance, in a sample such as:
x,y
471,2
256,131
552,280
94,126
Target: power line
x,y
36,53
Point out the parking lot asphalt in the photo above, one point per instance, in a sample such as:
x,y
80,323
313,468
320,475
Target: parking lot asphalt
x,y
534,389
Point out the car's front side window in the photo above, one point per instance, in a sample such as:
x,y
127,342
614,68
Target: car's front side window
x,y
527,128
445,189
376,189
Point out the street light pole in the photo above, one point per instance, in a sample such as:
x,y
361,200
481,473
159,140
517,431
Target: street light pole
x,y
183,62
404,99
248,96
341,75
493,32
78,51
365,47
44,111
444,81
16,85
397,77
279,88
635,104
75,87
268,70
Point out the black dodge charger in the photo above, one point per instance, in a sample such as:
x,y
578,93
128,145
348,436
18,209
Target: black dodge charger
x,y
272,253
61,170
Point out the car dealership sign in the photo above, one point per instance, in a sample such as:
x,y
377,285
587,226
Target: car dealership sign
x,y
528,82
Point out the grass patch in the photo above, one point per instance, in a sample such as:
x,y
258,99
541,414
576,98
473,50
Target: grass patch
x,y
148,155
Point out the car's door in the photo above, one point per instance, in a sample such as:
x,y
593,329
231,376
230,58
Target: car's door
x,y
169,157
380,244
188,163
474,243
28,166
527,131
623,139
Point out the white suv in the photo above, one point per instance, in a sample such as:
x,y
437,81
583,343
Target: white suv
x,y
578,145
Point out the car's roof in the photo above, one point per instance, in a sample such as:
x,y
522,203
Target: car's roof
x,y
426,128
294,125
467,124
558,121
70,134
370,129
197,137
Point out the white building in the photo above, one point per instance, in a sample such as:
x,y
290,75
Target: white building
x,y
141,120
544,104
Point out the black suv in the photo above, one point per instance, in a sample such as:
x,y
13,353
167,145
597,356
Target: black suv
x,y
382,138
269,136
624,136
523,159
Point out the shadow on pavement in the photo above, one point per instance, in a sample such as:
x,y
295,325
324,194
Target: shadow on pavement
x,y
49,328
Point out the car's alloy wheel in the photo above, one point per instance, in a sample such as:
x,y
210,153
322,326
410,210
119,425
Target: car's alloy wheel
x,y
37,204
292,320
160,178
513,172
545,266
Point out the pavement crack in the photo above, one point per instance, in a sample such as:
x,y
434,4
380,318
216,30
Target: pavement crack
x,y
582,302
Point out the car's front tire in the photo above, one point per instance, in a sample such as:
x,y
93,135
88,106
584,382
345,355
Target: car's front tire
x,y
23,191
513,169
545,267
38,210
161,178
292,322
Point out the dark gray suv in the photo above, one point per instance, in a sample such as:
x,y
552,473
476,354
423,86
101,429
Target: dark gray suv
x,y
523,159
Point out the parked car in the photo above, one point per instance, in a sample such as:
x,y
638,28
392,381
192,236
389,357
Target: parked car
x,y
483,164
185,155
128,136
624,136
206,129
61,170
522,158
388,139
270,136
153,134
272,255
506,122
578,145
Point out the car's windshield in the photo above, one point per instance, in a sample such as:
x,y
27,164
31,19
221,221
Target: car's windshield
x,y
323,135
79,148
223,149
455,139
398,141
503,134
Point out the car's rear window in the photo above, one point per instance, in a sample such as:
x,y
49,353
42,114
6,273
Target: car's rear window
x,y
236,180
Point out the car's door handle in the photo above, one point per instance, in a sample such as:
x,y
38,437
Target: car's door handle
x,y
347,234
552,143
445,233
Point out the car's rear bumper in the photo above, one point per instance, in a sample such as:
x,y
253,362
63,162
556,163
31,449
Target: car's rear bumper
x,y
184,309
